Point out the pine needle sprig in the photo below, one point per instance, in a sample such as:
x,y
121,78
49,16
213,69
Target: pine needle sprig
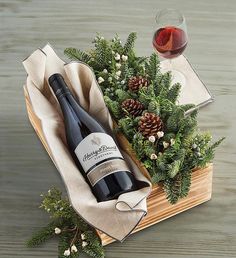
x,y
76,54
180,148
74,234
42,235
129,44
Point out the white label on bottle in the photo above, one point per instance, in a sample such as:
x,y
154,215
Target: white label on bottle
x,y
95,148
106,168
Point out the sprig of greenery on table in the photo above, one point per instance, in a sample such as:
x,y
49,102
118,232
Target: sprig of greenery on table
x,y
75,236
185,147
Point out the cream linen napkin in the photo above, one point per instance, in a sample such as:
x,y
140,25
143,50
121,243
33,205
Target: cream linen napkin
x,y
116,218
193,90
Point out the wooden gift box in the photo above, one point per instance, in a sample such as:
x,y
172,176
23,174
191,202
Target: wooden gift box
x,y
158,206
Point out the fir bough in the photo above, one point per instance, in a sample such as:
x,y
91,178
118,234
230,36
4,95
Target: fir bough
x,y
180,147
74,235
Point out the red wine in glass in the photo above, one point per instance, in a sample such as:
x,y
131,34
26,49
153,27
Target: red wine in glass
x,y
170,41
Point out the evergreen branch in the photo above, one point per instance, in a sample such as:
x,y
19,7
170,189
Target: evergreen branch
x,y
185,148
94,248
154,107
103,54
185,183
76,54
63,244
173,168
187,107
153,66
75,235
173,93
129,44
172,188
42,236
113,106
126,125
122,95
217,143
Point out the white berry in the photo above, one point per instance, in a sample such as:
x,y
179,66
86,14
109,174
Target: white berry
x,y
67,252
105,71
117,57
118,65
124,57
57,231
152,138
100,80
172,141
153,156
83,236
74,249
118,73
165,144
160,134
199,154
84,243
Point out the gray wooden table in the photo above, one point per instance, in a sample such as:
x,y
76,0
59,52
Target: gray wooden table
x,y
25,168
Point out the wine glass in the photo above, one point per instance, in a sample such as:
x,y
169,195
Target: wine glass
x,y
170,39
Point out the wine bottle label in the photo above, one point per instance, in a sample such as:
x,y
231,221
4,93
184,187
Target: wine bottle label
x,y
105,169
99,156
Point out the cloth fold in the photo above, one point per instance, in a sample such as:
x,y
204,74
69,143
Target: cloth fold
x,y
117,218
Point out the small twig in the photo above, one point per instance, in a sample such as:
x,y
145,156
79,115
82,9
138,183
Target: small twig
x,y
75,236
69,229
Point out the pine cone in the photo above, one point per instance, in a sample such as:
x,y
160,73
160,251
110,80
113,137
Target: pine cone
x,y
134,107
137,82
150,124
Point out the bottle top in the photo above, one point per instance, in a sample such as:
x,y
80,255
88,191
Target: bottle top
x,y
57,83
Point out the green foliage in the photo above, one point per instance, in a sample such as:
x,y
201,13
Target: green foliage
x,y
173,168
137,144
74,232
173,93
113,106
154,107
129,44
126,124
76,54
42,235
153,67
122,95
183,147
172,188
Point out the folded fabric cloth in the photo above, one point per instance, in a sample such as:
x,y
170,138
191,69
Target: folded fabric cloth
x,y
193,89
117,218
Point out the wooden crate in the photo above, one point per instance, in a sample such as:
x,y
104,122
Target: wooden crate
x,y
158,206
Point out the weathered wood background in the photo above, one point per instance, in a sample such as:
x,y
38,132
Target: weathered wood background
x,y
25,168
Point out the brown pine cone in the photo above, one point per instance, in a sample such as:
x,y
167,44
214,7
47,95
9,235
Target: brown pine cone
x,y
133,107
137,82
150,124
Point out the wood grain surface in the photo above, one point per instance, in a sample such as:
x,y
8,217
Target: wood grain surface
x,y
206,231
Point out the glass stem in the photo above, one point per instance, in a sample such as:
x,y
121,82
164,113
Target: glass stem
x,y
170,65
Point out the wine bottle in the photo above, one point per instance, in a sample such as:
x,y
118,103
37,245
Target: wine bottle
x,y
94,151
